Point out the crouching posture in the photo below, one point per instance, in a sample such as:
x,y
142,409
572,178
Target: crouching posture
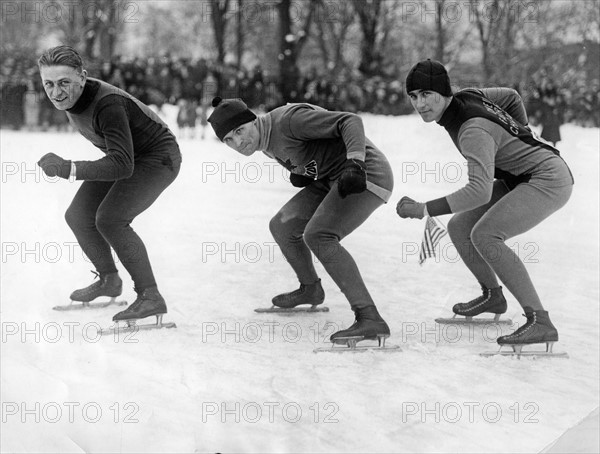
x,y
515,182
344,178
141,160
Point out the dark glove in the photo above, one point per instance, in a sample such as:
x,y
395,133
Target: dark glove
x,y
353,179
408,208
300,181
55,166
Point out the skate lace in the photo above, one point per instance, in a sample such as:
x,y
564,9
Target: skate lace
x,y
296,292
93,286
531,321
358,316
137,303
480,300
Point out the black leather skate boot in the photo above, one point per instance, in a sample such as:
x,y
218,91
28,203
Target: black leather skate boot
x,y
148,302
538,329
307,294
368,326
492,300
108,285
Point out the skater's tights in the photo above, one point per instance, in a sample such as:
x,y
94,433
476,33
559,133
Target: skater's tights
x,y
480,234
101,213
316,219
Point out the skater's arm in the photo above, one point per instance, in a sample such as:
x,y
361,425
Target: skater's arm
x,y
479,148
113,124
307,124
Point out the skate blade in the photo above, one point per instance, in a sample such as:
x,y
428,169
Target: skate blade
x,y
517,350
132,326
473,321
90,305
357,348
283,310
530,354
352,341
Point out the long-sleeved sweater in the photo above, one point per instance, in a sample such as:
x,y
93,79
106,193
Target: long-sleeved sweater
x,y
311,141
489,128
122,127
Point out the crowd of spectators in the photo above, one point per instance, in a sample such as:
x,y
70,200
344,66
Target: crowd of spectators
x,y
185,82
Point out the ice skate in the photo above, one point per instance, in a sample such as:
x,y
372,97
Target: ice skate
x,y
491,301
309,296
107,285
537,330
368,326
148,303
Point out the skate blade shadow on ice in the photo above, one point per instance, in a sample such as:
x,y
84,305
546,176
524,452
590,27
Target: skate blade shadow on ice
x,y
290,310
132,326
468,320
517,351
349,345
86,305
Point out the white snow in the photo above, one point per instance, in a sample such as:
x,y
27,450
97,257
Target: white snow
x,y
231,380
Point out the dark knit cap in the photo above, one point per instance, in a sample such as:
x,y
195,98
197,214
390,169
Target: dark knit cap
x,y
228,115
429,75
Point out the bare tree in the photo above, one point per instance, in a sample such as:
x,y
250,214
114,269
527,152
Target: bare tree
x,y
377,20
92,26
239,35
291,43
333,23
369,15
487,31
495,23
219,21
440,32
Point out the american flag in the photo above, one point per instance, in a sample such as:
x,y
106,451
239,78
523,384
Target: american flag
x,y
431,237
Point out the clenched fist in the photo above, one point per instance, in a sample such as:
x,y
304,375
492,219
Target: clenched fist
x,y
408,208
55,166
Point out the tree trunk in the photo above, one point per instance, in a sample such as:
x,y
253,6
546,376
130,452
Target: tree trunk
x,y
219,8
239,44
290,46
371,58
439,25
487,35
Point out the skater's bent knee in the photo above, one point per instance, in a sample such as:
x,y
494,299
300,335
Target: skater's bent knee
x,y
483,235
319,240
487,242
76,219
284,228
71,218
312,238
275,225
107,223
458,227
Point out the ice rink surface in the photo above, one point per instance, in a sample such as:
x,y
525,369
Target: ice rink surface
x,y
231,380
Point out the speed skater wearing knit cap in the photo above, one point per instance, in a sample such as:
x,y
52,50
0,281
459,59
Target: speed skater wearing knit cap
x,y
429,75
228,115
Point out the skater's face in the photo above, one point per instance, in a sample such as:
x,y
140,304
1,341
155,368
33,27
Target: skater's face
x,y
430,104
63,84
244,139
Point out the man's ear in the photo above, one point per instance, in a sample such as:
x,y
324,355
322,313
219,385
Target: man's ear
x,y
84,75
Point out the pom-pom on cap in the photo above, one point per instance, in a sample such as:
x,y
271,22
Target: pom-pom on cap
x,y
228,115
429,75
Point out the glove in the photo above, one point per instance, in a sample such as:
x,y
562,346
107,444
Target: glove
x,y
300,181
408,208
353,179
55,166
